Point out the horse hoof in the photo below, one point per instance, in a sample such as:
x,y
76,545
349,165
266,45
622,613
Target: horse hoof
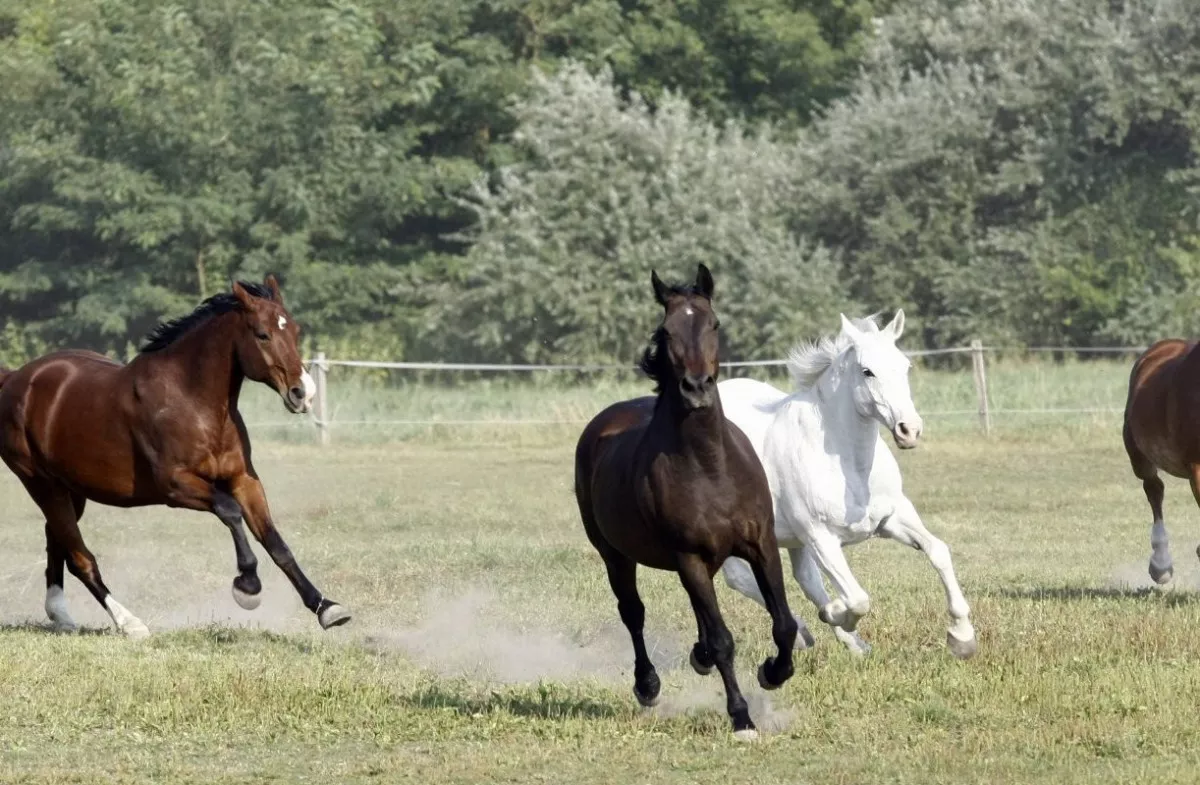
x,y
332,615
703,670
247,601
64,627
135,631
745,734
859,647
853,642
645,701
963,650
763,681
1161,576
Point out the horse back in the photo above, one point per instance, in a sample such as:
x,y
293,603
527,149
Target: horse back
x,y
751,405
1162,410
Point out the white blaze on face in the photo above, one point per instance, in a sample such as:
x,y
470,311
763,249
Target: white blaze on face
x,y
310,387
282,322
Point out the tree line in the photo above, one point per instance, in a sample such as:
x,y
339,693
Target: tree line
x,y
493,179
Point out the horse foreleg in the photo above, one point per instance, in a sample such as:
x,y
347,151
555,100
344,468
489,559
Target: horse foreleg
x,y
852,603
248,492
808,575
696,576
768,572
622,577
740,577
190,491
1161,566
905,526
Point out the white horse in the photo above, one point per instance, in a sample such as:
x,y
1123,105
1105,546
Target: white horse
x,y
833,479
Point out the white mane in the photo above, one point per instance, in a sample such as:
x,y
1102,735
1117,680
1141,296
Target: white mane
x,y
809,359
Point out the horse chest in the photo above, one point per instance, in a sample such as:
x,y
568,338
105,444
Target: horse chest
x,y
816,492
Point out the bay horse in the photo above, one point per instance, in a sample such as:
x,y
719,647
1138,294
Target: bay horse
x,y
834,480
1162,432
667,482
164,429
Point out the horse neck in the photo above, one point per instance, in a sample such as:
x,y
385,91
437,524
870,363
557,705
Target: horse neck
x,y
700,433
211,372
850,435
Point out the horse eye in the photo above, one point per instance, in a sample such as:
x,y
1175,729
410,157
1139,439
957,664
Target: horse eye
x,y
260,335
867,372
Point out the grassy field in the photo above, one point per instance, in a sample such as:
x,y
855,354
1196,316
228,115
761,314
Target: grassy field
x,y
486,645
381,407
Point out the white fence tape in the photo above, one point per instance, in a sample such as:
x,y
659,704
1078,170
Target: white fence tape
x,y
324,423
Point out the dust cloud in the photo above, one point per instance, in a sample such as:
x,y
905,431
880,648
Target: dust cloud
x,y
466,635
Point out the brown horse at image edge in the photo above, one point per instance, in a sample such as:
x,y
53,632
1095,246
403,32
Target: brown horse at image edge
x,y
164,429
1162,432
669,483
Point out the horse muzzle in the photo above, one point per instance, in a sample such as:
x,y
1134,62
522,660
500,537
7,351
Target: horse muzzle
x,y
298,399
698,390
907,434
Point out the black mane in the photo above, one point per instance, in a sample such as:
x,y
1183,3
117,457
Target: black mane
x,y
655,363
167,333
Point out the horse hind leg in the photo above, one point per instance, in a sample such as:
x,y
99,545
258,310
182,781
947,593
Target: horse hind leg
x,y
56,598
622,577
1162,569
62,512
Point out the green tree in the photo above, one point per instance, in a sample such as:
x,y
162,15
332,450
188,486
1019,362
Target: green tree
x,y
153,152
608,189
1018,171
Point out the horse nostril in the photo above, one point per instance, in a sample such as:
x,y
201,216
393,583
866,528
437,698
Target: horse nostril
x,y
903,428
296,393
709,381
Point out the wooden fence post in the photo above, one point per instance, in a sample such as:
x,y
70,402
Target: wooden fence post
x,y
321,398
981,391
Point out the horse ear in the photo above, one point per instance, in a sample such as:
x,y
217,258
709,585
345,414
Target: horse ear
x,y
850,330
704,281
244,297
896,325
660,288
273,287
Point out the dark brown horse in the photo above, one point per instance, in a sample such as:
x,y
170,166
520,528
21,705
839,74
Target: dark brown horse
x,y
164,429
1162,431
669,483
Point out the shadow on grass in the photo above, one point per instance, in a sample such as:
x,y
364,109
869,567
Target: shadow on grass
x,y
541,702
46,628
1170,597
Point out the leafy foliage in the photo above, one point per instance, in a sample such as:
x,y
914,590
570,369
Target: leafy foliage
x,y
496,177
608,190
1020,171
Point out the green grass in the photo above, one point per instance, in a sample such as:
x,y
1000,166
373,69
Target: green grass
x,y
376,407
486,645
